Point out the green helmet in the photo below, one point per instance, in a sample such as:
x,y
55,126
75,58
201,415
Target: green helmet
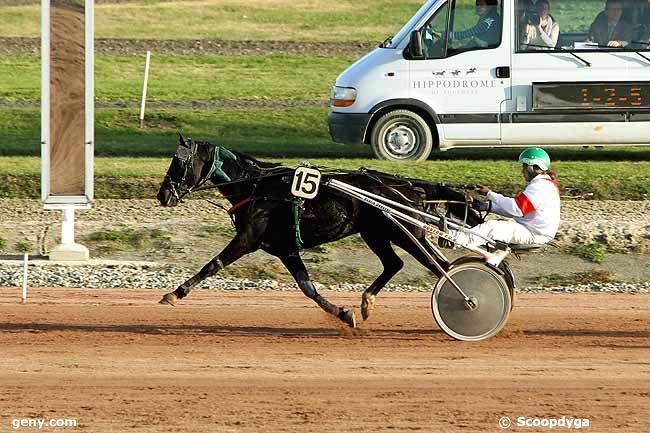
x,y
535,156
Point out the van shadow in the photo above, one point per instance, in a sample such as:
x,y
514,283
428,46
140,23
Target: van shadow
x,y
601,338
601,333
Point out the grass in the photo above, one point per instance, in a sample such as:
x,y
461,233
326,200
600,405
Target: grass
x,y
172,78
131,161
256,271
130,236
127,239
270,132
593,252
138,177
24,247
575,17
598,276
301,20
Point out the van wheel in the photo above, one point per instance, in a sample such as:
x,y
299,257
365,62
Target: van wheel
x,y
401,135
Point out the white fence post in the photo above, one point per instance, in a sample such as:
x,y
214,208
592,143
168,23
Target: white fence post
x,y
24,293
144,88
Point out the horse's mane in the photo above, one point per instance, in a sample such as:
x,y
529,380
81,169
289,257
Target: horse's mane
x,y
254,161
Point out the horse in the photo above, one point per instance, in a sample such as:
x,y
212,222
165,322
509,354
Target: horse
x,y
266,216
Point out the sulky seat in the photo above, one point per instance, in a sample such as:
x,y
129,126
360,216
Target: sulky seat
x,y
530,248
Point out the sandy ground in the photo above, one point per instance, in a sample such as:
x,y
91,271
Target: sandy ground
x,y
272,362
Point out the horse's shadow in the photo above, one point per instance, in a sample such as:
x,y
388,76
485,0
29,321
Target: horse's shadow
x,y
224,330
305,332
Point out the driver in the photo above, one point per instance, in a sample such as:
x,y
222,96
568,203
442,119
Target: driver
x,y
534,213
487,31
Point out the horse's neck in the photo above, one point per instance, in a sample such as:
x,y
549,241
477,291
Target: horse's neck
x,y
238,188
233,193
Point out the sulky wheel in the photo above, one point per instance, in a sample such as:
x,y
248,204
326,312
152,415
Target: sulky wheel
x,y
508,276
486,312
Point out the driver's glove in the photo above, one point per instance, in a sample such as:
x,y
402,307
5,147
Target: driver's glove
x,y
481,205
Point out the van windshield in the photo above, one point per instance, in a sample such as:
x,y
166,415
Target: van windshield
x,y
406,30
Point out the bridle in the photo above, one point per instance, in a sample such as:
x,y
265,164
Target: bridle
x,y
185,156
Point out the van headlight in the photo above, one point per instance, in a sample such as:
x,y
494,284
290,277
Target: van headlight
x,y
343,96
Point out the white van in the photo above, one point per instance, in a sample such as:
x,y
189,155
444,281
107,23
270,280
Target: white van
x,y
469,73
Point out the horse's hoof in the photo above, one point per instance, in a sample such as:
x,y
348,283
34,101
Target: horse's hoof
x,y
348,317
168,299
367,305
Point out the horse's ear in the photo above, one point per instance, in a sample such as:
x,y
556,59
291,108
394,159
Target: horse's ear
x,y
181,139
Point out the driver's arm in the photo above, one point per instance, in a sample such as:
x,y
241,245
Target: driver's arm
x,y
482,26
510,207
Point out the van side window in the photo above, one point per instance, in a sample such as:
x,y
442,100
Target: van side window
x,y
574,25
474,25
469,26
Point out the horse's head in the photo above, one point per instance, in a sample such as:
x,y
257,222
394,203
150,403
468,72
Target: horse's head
x,y
193,164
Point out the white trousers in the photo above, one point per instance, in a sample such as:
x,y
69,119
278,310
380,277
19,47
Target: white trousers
x,y
507,231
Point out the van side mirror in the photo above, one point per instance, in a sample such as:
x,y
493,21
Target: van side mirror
x,y
415,45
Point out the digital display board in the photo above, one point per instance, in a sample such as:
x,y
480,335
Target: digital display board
x,y
591,96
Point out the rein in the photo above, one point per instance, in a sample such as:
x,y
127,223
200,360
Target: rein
x,y
239,204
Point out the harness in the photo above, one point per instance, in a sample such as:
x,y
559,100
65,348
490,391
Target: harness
x,y
187,153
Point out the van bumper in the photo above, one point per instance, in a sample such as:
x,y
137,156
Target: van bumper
x,y
348,128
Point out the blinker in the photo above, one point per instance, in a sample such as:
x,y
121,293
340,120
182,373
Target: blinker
x,y
184,153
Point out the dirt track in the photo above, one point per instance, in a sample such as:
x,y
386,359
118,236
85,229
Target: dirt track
x,y
272,362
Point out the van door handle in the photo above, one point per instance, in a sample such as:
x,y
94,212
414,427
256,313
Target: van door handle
x,y
502,72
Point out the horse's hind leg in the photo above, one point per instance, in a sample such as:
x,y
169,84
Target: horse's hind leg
x,y
296,267
410,247
380,245
239,246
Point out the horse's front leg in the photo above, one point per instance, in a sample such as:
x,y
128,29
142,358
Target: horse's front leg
x,y
296,267
243,243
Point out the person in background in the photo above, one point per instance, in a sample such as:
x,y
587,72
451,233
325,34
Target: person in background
x,y
534,214
609,29
541,31
636,12
642,17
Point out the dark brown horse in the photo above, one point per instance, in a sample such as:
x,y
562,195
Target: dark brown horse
x,y
268,217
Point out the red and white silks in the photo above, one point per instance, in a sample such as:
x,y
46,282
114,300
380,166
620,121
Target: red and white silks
x,y
535,214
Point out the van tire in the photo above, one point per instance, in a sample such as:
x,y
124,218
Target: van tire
x,y
401,135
